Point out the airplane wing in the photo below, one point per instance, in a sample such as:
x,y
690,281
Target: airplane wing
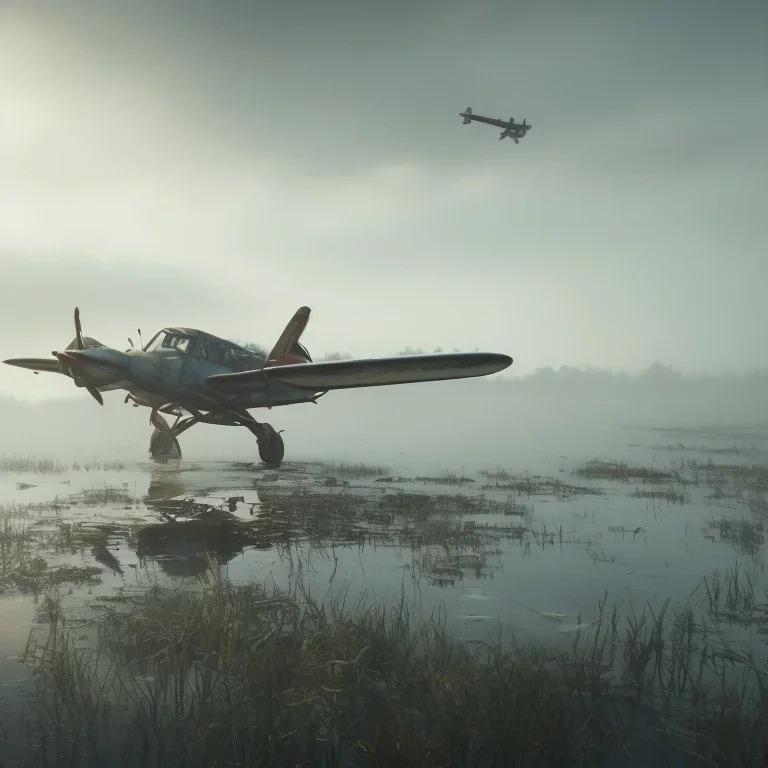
x,y
36,364
375,372
490,121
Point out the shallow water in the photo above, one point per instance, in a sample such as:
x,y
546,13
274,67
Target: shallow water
x,y
638,549
538,574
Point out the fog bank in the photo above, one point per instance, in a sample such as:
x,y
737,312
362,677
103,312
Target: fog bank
x,y
469,424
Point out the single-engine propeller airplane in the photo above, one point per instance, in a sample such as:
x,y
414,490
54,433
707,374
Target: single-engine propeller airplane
x,y
199,378
516,130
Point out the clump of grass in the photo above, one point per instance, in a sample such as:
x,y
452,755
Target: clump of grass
x,y
357,471
746,483
670,494
600,557
451,534
333,516
24,548
514,507
732,596
497,474
34,575
32,464
732,450
113,466
742,475
748,536
445,567
607,470
88,466
446,478
758,501
536,485
109,494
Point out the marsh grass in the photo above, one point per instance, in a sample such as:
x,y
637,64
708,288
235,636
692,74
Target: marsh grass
x,y
238,675
732,450
25,550
746,535
729,480
732,596
108,494
31,464
446,478
394,518
671,494
758,502
34,575
357,471
527,485
606,470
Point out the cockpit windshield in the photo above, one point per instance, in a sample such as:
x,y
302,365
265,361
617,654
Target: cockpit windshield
x,y
207,348
169,340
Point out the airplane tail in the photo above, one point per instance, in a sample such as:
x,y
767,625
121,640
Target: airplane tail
x,y
467,119
287,350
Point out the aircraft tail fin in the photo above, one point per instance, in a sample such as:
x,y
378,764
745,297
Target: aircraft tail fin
x,y
287,350
467,112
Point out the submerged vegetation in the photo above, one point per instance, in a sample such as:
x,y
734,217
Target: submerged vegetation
x,y
38,466
358,470
670,494
524,484
43,466
605,470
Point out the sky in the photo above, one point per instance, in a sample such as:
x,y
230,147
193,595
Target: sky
x,y
218,165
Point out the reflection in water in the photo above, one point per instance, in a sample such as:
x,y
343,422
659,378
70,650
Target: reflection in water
x,y
190,547
165,481
16,616
102,555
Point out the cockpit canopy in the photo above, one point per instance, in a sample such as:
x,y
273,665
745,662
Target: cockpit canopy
x,y
206,347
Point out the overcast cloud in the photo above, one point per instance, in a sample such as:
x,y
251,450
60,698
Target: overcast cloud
x,y
220,164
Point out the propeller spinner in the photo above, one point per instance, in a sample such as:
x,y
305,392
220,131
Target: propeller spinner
x,y
76,366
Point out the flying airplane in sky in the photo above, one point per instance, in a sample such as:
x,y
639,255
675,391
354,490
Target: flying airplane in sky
x,y
515,130
199,378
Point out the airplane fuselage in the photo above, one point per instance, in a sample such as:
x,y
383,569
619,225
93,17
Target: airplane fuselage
x,y
163,376
171,376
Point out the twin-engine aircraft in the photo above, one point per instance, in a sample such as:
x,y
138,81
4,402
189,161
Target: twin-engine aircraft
x,y
199,378
511,129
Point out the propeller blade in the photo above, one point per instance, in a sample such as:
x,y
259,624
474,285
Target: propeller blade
x,y
78,330
77,370
95,392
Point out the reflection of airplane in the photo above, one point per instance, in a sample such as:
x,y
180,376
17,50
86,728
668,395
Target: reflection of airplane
x,y
515,130
189,548
203,540
184,371
165,481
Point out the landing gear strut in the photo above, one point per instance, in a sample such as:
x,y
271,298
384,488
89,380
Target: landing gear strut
x,y
164,442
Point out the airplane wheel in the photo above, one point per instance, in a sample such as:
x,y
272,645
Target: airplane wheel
x,y
164,445
271,446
